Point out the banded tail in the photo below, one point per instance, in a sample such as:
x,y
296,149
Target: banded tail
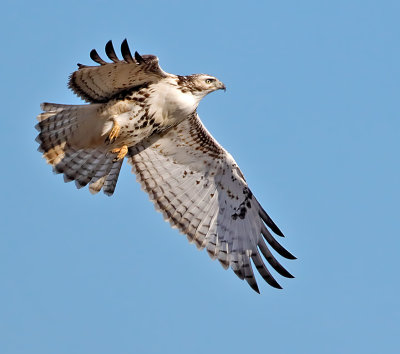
x,y
66,138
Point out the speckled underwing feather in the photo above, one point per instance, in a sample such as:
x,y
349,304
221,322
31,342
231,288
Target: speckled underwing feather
x,y
200,190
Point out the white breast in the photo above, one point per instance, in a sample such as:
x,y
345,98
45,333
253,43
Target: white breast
x,y
169,103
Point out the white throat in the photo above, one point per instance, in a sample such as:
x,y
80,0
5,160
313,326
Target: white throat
x,y
171,103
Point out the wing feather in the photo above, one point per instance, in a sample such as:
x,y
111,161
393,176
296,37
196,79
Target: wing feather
x,y
272,260
96,58
264,272
126,53
275,244
111,52
98,84
200,190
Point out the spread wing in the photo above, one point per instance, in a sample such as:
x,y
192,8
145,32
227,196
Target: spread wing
x,y
99,83
200,190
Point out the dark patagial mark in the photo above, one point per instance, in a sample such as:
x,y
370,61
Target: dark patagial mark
x,y
126,94
240,212
242,208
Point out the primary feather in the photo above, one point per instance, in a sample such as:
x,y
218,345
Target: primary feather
x,y
138,111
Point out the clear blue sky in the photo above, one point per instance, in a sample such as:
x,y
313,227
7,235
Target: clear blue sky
x,y
311,114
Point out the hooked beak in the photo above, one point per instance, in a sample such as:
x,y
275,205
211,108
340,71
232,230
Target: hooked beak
x,y
221,86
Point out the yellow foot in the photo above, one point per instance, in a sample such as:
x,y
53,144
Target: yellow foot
x,y
113,133
121,152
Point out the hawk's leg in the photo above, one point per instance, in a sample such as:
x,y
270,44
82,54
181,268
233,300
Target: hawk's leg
x,y
121,152
113,135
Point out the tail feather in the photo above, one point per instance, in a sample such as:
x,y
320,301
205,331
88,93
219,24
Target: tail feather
x,y
95,169
55,107
56,128
60,134
96,186
65,166
103,167
106,179
112,178
95,160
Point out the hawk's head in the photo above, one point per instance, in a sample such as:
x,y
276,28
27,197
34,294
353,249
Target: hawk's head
x,y
200,84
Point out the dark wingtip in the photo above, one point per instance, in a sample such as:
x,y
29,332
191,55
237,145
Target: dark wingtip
x,y
285,253
111,52
138,58
254,286
274,284
93,54
275,244
281,270
126,52
286,274
270,223
96,57
275,228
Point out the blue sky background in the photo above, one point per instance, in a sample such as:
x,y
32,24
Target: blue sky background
x,y
311,115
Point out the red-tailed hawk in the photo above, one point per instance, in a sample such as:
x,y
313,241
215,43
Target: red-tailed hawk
x,y
138,111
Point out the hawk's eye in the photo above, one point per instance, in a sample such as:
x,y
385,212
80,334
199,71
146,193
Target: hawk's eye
x,y
209,81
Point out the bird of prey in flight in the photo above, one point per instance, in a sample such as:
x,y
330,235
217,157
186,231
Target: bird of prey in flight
x,y
139,112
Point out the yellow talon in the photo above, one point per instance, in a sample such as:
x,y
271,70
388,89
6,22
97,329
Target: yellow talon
x,y
121,152
113,135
